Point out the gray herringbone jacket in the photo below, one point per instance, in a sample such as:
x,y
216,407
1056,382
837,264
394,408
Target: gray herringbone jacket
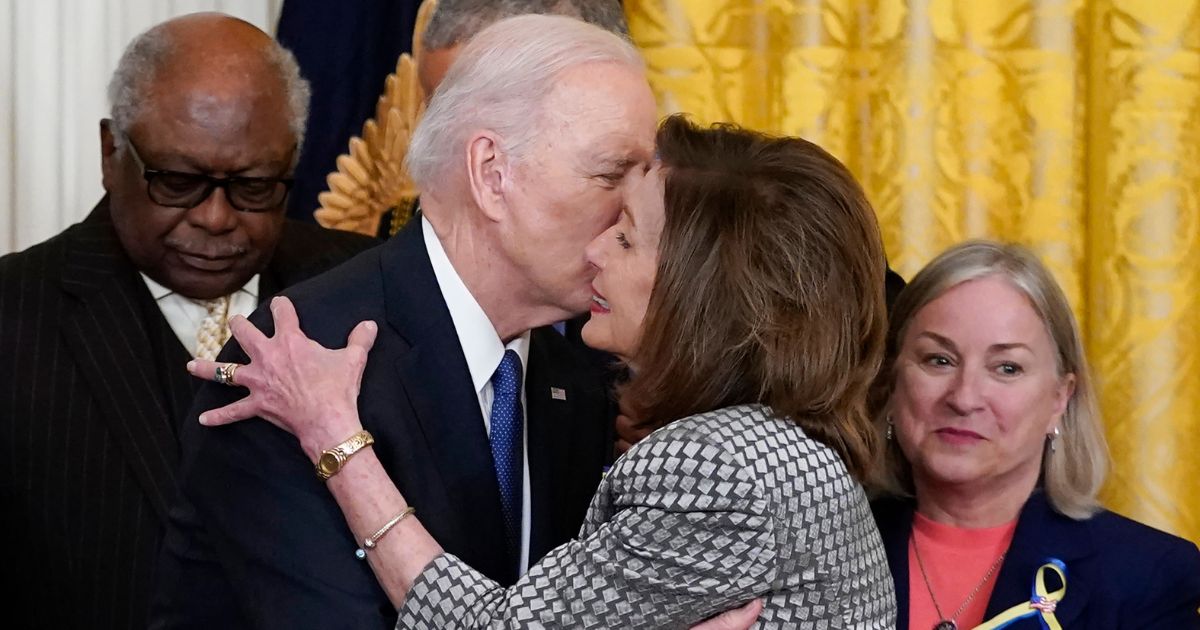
x,y
701,516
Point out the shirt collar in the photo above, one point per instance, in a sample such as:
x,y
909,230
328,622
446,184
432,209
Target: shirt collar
x,y
159,291
480,344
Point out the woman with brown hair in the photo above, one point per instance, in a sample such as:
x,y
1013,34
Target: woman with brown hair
x,y
742,285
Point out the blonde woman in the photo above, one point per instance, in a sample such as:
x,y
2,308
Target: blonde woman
x,y
996,456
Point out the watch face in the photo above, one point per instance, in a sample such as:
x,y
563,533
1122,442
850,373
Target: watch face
x,y
328,463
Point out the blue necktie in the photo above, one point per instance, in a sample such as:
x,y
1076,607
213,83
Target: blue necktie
x,y
506,444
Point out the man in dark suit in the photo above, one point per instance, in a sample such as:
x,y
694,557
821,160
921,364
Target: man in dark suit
x,y
522,160
99,321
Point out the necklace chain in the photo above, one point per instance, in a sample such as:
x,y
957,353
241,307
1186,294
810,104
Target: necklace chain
x,y
929,586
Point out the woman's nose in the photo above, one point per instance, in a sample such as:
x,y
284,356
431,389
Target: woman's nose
x,y
966,392
594,252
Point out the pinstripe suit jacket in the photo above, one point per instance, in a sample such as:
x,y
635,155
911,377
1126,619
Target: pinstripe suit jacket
x,y
699,517
92,385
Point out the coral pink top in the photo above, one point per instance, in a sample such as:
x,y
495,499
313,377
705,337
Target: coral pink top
x,y
956,559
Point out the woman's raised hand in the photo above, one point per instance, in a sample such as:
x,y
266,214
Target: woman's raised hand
x,y
295,383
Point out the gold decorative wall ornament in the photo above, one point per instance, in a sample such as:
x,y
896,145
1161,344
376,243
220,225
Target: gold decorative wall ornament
x,y
371,178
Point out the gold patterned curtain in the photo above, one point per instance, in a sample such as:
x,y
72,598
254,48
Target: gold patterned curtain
x,y
1070,126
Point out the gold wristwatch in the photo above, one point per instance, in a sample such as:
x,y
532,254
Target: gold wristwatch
x,y
333,459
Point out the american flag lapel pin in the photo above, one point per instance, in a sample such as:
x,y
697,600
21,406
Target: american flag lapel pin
x,y
558,393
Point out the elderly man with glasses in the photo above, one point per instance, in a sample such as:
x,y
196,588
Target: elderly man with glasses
x,y
97,323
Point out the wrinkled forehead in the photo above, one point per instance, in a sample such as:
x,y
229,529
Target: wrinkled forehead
x,y
603,112
219,86
215,131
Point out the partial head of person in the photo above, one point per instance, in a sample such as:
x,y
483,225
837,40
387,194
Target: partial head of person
x,y
454,22
745,269
208,114
986,386
525,153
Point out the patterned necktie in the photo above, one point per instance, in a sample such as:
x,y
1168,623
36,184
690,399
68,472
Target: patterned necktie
x,y
214,328
506,441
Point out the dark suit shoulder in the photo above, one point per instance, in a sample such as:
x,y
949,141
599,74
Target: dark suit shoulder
x,y
331,302
571,356
308,235
34,259
32,281
306,250
1113,525
1154,575
1129,541
94,235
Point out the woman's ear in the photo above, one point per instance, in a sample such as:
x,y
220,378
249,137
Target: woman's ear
x,y
488,173
1062,398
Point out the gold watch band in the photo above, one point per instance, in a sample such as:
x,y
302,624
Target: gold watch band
x,y
333,459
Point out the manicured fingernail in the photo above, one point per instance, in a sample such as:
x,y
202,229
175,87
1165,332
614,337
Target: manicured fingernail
x,y
204,418
370,325
191,365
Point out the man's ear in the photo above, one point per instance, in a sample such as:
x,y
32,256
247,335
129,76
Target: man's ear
x,y
488,173
108,154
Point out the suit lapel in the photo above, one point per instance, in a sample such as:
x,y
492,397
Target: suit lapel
x,y
550,397
269,283
434,376
178,387
895,517
106,334
305,251
1042,533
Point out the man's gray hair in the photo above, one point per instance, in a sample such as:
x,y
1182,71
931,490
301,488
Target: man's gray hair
x,y
500,82
456,21
144,57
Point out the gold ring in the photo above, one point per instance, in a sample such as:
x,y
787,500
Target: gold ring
x,y
224,374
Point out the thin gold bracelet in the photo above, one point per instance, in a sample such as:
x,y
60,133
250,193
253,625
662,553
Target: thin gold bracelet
x,y
370,541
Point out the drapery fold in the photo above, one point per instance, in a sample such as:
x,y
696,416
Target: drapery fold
x,y
1068,126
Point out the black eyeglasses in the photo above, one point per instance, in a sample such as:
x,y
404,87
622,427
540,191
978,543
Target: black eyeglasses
x,y
187,190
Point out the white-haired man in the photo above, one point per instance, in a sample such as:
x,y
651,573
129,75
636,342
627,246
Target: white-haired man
x,y
98,322
522,159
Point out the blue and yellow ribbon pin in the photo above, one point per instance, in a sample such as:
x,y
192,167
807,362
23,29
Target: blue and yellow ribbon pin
x,y
1041,604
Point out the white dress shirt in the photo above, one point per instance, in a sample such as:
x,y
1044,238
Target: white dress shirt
x,y
185,314
483,350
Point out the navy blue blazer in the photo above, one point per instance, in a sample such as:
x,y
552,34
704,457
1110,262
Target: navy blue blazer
x,y
258,541
1120,573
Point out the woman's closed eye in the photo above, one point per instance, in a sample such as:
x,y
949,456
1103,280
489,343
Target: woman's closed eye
x,y
622,241
611,180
